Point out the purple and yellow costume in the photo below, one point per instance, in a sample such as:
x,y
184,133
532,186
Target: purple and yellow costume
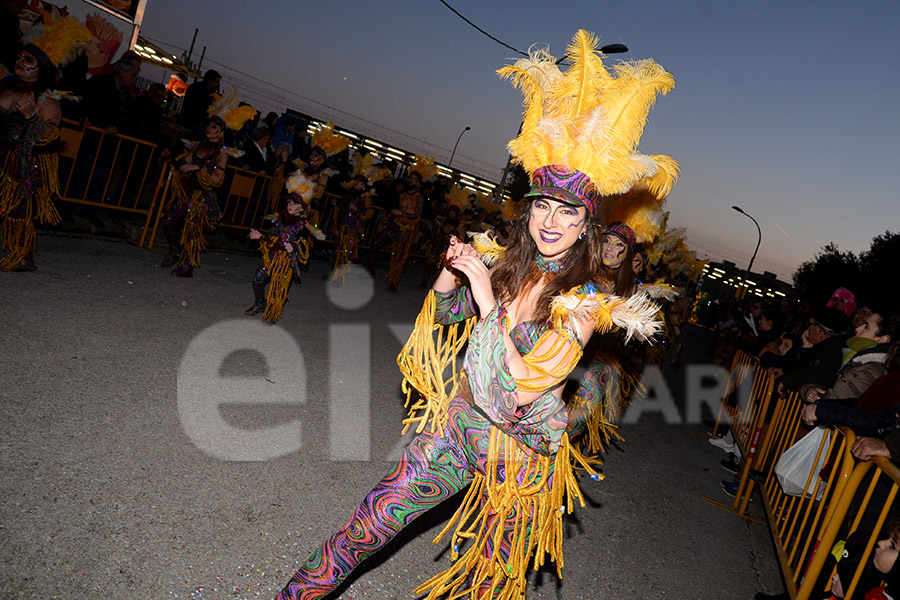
x,y
517,461
279,265
352,217
192,210
29,183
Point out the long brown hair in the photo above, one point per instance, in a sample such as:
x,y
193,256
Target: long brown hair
x,y
516,270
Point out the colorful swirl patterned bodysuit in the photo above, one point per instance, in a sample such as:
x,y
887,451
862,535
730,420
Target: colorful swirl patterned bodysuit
x,y
437,465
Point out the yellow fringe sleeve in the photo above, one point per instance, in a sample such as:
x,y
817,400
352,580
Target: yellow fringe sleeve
x,y
424,360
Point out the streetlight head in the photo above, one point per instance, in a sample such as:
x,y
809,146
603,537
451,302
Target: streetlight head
x,y
467,128
614,49
737,208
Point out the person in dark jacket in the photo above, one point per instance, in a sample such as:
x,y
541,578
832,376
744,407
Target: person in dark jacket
x,y
258,157
819,359
196,103
872,413
864,359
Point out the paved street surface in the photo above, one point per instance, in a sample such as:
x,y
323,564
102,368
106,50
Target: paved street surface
x,y
156,443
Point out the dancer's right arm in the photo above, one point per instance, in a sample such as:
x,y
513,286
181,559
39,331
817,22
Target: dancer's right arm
x,y
446,280
453,302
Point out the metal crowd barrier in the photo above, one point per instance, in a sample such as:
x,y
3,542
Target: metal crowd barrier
x,y
745,411
858,501
122,173
838,492
109,170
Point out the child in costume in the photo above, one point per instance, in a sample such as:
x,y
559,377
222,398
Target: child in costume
x,y
499,426
29,139
193,206
284,248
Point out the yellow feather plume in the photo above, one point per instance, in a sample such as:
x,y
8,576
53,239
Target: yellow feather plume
x,y
236,117
329,141
362,165
489,251
590,120
458,196
425,167
299,183
63,40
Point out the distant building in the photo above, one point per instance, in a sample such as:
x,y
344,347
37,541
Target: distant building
x,y
721,281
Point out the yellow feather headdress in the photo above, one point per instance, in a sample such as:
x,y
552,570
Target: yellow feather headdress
x,y
424,167
329,141
363,167
301,185
639,209
63,39
590,121
458,196
227,106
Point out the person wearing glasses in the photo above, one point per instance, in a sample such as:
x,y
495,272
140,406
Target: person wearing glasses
x,y
819,358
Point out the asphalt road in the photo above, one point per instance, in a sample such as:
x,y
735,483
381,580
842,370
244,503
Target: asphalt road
x,y
155,443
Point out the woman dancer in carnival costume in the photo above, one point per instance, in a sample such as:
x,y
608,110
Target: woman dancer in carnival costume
x,y
611,374
29,139
284,248
499,425
354,211
193,206
398,232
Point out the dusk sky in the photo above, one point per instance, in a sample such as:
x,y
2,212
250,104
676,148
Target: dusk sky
x,y
788,110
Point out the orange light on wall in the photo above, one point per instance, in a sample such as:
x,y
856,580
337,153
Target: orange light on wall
x,y
176,85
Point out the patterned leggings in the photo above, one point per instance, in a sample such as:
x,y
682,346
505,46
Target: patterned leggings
x,y
433,468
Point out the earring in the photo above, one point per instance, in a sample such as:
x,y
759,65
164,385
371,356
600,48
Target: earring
x,y
581,235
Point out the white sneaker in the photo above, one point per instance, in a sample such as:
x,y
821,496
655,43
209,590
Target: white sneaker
x,y
722,443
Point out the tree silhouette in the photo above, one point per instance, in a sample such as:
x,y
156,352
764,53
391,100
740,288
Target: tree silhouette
x,y
830,269
879,263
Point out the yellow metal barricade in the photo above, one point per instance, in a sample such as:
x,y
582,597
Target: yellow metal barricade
x,y
858,498
112,171
243,197
745,411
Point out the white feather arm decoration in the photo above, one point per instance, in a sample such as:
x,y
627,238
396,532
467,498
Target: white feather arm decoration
x,y
315,232
661,290
638,315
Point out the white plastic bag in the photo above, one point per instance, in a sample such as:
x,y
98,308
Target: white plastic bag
x,y
798,461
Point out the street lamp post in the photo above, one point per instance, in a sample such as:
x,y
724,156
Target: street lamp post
x,y
758,241
457,144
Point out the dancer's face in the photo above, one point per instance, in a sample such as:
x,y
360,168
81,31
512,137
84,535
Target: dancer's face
x,y
27,67
555,226
214,133
637,263
613,251
294,208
